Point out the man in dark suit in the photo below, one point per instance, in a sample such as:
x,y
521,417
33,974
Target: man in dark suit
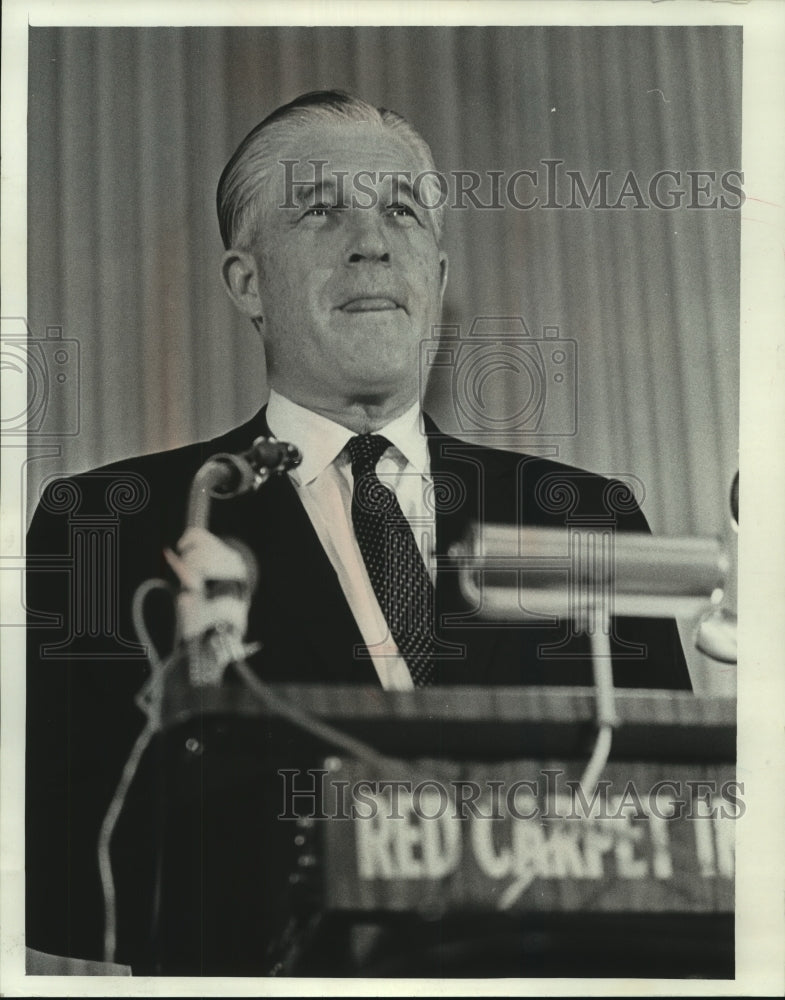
x,y
343,290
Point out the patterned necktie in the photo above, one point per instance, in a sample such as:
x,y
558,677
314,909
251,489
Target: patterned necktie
x,y
394,563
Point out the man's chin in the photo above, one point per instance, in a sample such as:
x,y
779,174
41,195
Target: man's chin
x,y
381,384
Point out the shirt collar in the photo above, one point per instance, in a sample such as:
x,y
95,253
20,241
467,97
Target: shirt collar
x,y
321,440
406,434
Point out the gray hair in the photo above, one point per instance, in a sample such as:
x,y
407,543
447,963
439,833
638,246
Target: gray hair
x,y
257,156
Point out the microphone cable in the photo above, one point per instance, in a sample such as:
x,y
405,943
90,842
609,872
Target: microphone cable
x,y
130,768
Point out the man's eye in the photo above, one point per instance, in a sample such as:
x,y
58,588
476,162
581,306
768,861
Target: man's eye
x,y
319,211
402,211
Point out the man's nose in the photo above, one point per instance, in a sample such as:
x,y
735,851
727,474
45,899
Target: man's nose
x,y
367,240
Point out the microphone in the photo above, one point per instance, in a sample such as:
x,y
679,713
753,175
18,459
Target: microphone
x,y
227,475
237,474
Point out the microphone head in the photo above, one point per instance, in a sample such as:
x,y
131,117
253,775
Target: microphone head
x,y
273,456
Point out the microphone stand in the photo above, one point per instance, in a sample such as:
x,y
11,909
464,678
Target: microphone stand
x,y
206,652
210,644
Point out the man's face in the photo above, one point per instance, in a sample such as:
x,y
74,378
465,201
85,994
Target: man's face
x,y
347,290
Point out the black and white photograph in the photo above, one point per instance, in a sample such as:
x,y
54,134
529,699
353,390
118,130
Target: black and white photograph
x,y
392,462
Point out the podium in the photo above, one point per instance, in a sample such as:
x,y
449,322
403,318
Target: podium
x,y
456,842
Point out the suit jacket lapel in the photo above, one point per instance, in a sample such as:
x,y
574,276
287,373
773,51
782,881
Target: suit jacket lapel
x,y
460,489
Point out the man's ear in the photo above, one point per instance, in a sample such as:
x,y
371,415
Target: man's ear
x,y
240,273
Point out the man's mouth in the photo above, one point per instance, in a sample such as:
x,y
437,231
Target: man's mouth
x,y
369,303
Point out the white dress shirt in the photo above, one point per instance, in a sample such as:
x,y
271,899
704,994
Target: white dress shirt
x,y
324,484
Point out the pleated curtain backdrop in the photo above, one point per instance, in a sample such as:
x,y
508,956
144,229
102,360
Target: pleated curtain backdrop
x,y
129,129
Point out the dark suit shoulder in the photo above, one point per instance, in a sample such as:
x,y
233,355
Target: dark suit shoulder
x,y
184,456
533,489
131,485
502,459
